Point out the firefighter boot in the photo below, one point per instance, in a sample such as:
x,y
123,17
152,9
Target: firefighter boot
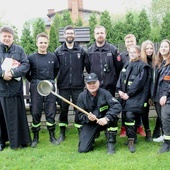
x,y
148,137
111,140
62,133
53,140
123,131
35,139
165,147
131,145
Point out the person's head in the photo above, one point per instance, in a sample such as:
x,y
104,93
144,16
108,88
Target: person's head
x,y
69,34
100,35
134,53
164,52
147,51
42,43
6,35
130,40
92,83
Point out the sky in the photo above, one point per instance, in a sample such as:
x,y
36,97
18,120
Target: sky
x,y
16,12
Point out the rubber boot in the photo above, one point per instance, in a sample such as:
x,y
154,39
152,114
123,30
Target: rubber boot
x,y
131,145
35,139
148,137
111,140
53,140
123,131
62,134
165,147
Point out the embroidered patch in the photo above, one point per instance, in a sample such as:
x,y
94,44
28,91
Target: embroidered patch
x,y
78,55
166,78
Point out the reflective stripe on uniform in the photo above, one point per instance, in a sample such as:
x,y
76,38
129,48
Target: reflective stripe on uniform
x,y
103,108
129,83
130,123
50,124
166,137
63,124
77,125
112,128
39,124
145,104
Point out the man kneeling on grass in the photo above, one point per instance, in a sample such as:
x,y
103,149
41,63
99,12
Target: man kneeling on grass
x,y
104,110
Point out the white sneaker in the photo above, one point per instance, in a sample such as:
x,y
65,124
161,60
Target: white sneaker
x,y
160,139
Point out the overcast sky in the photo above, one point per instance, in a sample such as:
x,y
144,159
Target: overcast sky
x,y
19,11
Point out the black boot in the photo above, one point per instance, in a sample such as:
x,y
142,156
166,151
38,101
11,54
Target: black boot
x,y
53,140
111,140
148,137
2,146
62,134
35,139
131,145
156,134
165,147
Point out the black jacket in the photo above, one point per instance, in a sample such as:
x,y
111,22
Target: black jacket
x,y
135,81
106,63
72,65
13,87
103,104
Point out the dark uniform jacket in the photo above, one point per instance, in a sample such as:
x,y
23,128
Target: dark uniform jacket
x,y
125,57
103,104
164,82
72,64
106,63
134,80
13,87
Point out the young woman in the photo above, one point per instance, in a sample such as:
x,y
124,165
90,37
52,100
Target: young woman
x,y
133,88
163,90
148,56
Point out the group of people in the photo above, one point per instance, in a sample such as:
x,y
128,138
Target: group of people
x,y
90,79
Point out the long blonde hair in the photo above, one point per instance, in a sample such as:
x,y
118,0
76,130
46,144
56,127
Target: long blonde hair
x,y
143,52
159,57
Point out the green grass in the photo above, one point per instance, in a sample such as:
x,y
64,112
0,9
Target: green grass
x,y
65,156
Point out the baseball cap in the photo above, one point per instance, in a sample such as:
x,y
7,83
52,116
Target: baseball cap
x,y
92,77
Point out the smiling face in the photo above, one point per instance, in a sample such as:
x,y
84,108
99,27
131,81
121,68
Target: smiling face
x,y
164,49
93,86
69,36
129,42
134,53
149,50
42,44
6,38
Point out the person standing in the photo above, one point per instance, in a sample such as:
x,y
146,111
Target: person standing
x,y
43,66
14,65
163,91
70,80
130,40
104,60
103,111
133,89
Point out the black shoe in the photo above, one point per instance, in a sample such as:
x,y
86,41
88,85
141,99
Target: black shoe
x,y
2,146
165,148
22,146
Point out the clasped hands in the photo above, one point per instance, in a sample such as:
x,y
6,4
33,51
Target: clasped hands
x,y
123,95
102,121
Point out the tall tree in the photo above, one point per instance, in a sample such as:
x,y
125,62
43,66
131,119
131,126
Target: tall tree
x,y
66,19
26,40
53,39
105,20
165,29
79,22
92,24
143,27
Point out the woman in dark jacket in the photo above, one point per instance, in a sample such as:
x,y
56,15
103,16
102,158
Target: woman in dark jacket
x,y
133,89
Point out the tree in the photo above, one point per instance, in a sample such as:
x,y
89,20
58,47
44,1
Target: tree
x,y
66,19
79,22
165,30
53,39
92,24
105,20
143,27
38,27
26,40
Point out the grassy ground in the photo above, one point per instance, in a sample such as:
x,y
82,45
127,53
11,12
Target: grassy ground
x,y
65,156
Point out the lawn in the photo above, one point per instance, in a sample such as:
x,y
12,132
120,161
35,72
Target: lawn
x,y
65,156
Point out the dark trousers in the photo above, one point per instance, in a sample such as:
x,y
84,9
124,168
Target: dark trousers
x,y
87,135
67,94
